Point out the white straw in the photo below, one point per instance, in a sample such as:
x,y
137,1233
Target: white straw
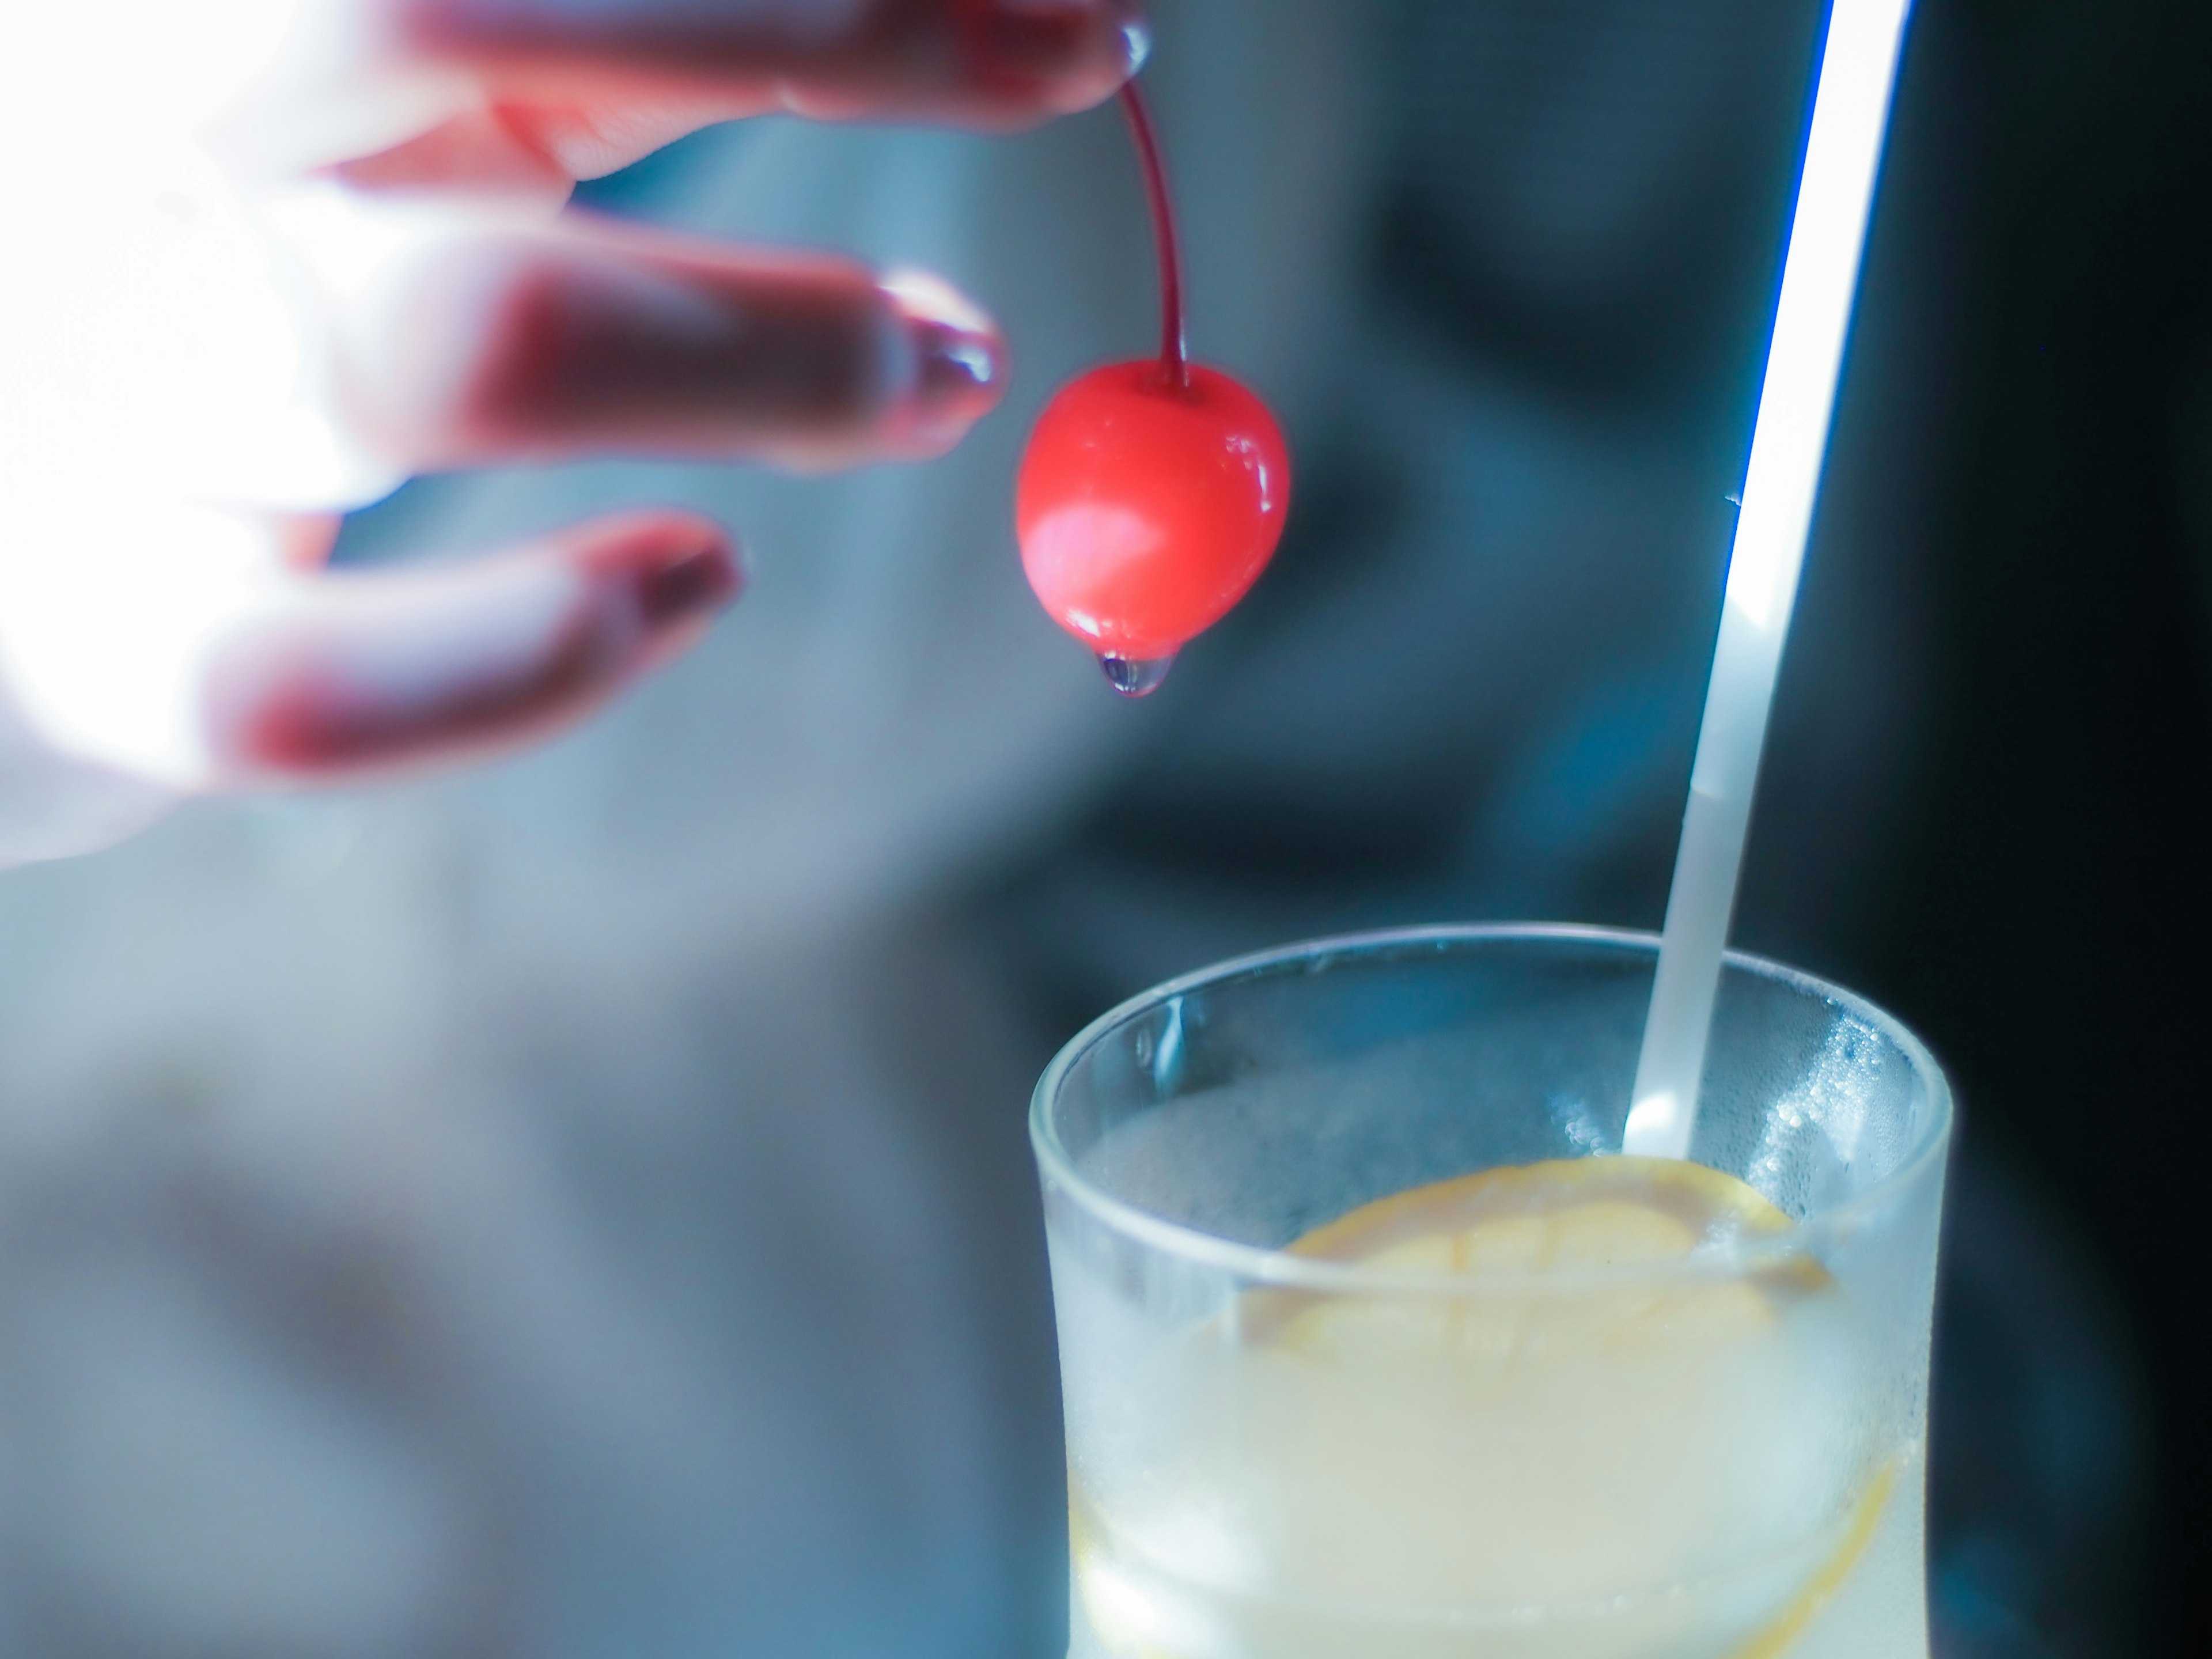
x,y
1850,113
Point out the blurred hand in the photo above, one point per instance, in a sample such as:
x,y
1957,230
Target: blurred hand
x,y
267,257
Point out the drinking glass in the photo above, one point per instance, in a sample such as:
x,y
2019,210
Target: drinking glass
x,y
1716,1452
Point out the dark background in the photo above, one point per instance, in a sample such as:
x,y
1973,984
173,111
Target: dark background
x,y
2046,931
2026,435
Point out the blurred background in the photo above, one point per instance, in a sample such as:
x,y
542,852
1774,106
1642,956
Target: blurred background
x,y
1985,796
583,1207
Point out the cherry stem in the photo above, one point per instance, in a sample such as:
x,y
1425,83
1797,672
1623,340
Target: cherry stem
x,y
1175,355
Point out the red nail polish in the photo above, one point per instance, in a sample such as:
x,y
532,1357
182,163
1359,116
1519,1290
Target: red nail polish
x,y
694,583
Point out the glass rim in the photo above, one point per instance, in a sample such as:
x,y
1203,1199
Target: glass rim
x,y
1279,1267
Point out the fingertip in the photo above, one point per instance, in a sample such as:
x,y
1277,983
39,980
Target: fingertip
x,y
1060,55
959,362
694,585
674,571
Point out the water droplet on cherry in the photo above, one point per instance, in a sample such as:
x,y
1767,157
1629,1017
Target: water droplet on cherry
x,y
1138,677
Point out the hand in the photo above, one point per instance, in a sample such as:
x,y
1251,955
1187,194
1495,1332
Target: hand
x,y
269,256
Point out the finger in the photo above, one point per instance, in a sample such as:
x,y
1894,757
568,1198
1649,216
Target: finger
x,y
302,541
393,672
590,337
605,81
480,150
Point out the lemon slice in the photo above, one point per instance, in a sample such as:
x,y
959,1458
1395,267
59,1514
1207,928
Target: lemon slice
x,y
1564,1455
1566,1213
1561,1223
1560,1434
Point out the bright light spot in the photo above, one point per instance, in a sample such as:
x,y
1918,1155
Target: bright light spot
x,y
168,346
1842,154
1076,552
1652,1130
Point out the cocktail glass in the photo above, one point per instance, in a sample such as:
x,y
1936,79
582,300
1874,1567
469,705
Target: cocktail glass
x,y
1320,1407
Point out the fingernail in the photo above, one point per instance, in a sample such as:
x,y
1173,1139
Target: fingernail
x,y
693,583
959,360
1082,48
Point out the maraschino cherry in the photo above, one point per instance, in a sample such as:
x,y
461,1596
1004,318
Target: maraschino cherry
x,y
1153,493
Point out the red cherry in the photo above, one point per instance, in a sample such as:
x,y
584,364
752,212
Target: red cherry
x,y
1152,494
1146,509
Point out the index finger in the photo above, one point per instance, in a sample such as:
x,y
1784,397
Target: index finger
x,y
990,63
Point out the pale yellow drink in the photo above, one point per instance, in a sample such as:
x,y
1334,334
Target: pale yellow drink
x,y
1607,1450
